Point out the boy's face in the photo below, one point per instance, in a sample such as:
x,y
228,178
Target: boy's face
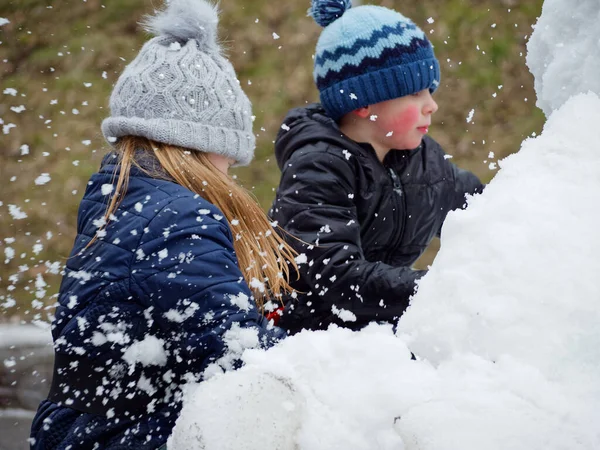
x,y
402,122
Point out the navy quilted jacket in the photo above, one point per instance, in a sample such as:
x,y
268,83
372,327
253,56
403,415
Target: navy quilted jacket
x,y
151,305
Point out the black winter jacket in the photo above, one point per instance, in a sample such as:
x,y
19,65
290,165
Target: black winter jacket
x,y
365,222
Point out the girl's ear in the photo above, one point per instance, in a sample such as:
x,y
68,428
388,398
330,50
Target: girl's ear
x,y
363,113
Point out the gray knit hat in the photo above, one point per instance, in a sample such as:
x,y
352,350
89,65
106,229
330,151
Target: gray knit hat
x,y
180,90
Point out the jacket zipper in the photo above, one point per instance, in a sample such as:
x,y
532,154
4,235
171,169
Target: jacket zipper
x,y
396,181
397,184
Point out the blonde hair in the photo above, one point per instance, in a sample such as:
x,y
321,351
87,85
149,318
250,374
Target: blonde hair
x,y
264,257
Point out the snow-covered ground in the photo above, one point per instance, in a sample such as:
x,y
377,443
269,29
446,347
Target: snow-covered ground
x,y
15,425
26,362
504,324
24,335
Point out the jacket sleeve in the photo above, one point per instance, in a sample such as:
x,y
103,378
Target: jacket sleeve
x,y
186,272
465,183
314,204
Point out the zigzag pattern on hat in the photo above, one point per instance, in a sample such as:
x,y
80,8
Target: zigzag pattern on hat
x,y
389,57
387,36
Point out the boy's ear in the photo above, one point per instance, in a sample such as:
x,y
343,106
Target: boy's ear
x,y
363,113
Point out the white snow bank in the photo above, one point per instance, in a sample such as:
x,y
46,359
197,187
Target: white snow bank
x,y
562,53
342,390
518,270
318,390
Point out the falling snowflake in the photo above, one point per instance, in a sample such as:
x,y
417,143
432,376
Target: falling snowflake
x,y
42,179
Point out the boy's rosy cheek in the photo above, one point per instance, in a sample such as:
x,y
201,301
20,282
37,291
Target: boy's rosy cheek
x,y
404,121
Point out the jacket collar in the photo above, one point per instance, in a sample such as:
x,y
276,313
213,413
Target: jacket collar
x,y
311,124
147,165
305,126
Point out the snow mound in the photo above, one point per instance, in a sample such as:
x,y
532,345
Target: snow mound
x,y
562,53
518,270
322,390
248,410
342,390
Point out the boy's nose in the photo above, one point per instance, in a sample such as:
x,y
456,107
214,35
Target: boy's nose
x,y
430,106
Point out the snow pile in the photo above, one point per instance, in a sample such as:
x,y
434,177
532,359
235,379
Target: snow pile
x,y
360,391
563,51
516,284
518,270
312,389
505,323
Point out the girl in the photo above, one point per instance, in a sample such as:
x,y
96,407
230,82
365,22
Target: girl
x,y
156,292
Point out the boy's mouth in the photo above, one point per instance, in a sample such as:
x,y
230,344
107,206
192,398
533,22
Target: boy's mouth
x,y
423,129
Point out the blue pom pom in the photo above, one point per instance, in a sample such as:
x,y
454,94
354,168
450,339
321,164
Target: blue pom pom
x,y
327,11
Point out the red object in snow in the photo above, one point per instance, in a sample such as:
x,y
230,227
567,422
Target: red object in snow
x,y
275,315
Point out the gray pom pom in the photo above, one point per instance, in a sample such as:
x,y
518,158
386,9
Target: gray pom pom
x,y
186,19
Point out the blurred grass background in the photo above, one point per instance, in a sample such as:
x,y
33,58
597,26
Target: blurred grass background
x,y
59,60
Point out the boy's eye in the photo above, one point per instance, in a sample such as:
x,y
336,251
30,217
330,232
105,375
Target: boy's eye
x,y
418,94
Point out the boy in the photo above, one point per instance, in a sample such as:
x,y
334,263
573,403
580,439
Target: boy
x,y
363,188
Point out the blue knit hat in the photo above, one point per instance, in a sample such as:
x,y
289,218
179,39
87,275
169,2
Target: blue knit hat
x,y
369,54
